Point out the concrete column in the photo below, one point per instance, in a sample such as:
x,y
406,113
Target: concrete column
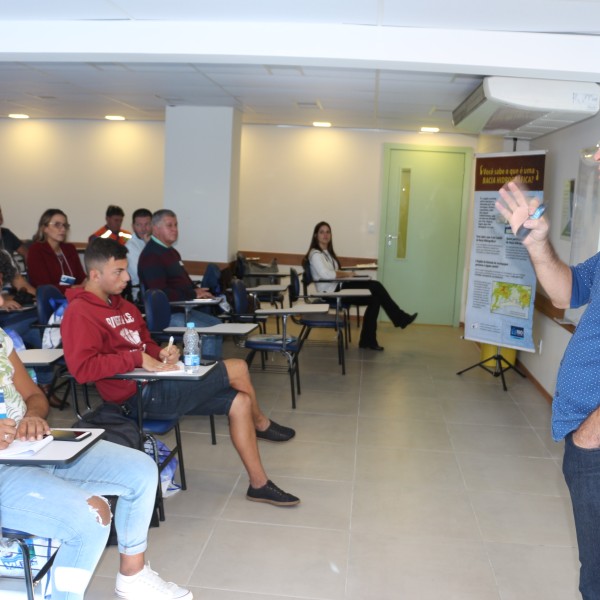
x,y
201,181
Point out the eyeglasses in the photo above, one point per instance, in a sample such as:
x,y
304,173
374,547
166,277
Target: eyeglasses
x,y
59,225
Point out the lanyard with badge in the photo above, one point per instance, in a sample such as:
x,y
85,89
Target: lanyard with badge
x,y
64,278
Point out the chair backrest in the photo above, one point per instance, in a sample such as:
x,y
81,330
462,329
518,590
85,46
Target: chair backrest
x,y
306,275
48,298
212,278
294,288
157,309
241,305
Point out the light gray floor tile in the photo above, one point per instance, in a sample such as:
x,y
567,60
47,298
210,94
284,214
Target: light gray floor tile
x,y
524,518
333,402
384,406
421,514
527,572
483,412
273,559
509,473
538,414
416,434
319,427
488,439
462,389
400,467
385,567
309,459
206,496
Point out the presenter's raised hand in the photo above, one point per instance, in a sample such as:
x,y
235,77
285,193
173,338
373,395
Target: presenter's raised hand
x,y
516,207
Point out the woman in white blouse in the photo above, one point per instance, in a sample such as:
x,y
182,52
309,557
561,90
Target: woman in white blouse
x,y
324,265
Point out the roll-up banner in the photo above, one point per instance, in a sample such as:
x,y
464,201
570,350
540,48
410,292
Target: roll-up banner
x,y
501,289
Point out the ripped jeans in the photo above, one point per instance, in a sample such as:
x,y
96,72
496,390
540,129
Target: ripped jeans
x,y
52,502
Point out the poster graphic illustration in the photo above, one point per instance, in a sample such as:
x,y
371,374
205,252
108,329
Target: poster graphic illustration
x,y
501,289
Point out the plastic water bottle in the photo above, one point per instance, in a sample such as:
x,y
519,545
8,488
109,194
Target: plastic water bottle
x,y
191,349
2,406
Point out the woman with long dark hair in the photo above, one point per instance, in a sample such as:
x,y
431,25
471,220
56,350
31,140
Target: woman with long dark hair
x,y
325,266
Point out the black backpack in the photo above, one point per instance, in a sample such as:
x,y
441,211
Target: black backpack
x,y
118,428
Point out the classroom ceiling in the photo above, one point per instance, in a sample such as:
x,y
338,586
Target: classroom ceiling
x,y
269,92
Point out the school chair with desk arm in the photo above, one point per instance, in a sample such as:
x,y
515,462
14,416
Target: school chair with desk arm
x,y
308,322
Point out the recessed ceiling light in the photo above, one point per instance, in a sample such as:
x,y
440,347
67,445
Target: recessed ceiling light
x,y
114,118
321,124
18,116
430,129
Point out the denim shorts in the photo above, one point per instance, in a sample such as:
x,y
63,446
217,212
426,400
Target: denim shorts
x,y
171,399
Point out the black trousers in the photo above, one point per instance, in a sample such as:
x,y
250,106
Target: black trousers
x,y
379,298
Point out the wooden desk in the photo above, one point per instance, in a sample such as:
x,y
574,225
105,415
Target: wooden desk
x,y
56,453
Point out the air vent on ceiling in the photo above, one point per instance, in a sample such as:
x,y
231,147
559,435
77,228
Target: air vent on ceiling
x,y
525,108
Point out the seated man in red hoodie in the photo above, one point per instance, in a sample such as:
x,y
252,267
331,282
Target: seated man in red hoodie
x,y
103,335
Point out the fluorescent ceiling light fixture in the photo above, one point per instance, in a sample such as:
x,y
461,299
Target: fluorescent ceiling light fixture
x,y
17,116
430,129
114,118
321,124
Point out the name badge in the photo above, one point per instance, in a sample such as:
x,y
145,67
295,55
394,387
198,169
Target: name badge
x,y
67,280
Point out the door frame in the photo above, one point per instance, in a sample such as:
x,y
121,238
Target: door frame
x,y
465,206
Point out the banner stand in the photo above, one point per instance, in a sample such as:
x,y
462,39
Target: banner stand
x,y
501,285
498,370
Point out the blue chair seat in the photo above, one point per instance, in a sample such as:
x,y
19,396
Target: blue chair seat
x,y
159,426
272,343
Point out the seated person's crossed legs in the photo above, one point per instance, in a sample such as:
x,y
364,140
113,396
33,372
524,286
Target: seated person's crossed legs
x,y
226,390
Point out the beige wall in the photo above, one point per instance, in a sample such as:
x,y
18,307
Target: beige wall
x,y
80,167
291,178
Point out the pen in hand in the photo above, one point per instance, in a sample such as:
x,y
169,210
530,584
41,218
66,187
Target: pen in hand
x,y
171,340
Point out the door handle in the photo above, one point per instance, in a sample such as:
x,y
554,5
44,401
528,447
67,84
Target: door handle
x,y
389,237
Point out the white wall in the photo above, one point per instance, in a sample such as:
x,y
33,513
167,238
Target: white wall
x,y
294,177
80,167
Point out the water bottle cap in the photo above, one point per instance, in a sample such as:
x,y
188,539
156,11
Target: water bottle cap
x,y
190,324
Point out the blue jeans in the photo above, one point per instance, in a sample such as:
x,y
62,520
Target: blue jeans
x,y
51,502
212,345
21,322
581,468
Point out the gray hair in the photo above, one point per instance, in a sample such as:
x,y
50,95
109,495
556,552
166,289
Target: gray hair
x,y
159,215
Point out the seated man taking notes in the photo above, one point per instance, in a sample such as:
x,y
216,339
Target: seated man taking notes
x,y
66,503
104,335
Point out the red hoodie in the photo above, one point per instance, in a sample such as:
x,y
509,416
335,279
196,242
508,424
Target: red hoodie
x,y
102,340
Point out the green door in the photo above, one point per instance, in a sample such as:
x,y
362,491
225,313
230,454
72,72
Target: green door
x,y
426,191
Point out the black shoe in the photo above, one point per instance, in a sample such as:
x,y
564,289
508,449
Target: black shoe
x,y
275,433
408,321
374,346
271,494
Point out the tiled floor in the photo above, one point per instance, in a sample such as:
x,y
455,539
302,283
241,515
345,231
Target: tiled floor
x,y
416,484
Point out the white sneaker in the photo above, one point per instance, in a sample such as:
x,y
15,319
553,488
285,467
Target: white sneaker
x,y
147,585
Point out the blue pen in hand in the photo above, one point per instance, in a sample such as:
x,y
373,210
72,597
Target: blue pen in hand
x,y
523,231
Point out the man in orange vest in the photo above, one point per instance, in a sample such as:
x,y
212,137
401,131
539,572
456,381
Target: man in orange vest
x,y
112,229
